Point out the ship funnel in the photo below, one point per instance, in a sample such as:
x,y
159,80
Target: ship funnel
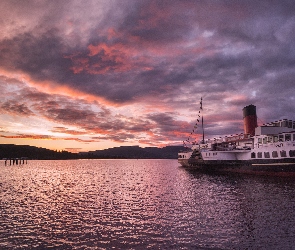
x,y
250,119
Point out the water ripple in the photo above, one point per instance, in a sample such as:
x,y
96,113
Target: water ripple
x,y
136,204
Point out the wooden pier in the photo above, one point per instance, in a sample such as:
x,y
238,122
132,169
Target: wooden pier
x,y
15,161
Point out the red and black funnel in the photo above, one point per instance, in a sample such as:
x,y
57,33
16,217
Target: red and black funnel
x,y
250,119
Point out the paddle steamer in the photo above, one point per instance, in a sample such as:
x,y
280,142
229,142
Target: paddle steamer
x,y
266,149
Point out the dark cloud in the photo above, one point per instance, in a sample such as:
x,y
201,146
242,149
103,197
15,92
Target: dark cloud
x,y
165,121
65,130
111,71
16,108
44,137
41,57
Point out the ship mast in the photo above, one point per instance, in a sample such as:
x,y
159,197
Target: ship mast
x,y
201,107
196,125
203,141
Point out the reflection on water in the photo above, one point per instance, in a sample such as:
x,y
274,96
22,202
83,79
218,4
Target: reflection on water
x,y
141,204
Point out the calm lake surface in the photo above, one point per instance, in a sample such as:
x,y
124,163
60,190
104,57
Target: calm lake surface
x,y
141,204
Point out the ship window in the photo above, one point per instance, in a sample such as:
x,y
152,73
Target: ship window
x,y
266,155
281,137
264,140
283,153
287,137
292,153
259,140
259,154
253,155
284,123
293,137
274,154
269,139
275,138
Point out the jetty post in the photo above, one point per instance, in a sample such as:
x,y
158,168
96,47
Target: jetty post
x,y
16,161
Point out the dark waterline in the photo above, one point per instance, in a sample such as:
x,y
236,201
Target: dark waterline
x,y
141,204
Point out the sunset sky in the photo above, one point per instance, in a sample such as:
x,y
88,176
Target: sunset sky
x,y
86,75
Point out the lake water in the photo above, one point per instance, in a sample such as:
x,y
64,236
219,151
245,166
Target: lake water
x,y
141,204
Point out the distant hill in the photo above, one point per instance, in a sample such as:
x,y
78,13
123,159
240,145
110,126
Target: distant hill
x,y
123,152
135,152
17,151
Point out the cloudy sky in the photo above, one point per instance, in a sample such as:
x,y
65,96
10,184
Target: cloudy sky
x,y
86,75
